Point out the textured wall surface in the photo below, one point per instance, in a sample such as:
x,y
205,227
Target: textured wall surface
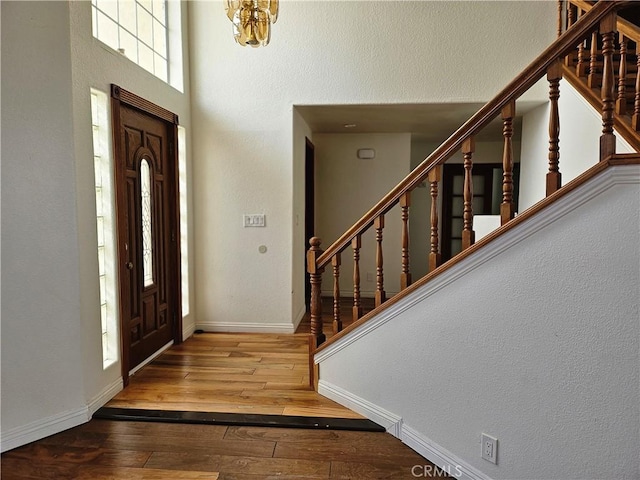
x,y
320,53
538,347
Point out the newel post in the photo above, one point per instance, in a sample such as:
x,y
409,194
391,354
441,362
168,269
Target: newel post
x,y
315,275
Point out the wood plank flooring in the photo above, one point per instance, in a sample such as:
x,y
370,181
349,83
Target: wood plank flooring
x,y
105,449
231,373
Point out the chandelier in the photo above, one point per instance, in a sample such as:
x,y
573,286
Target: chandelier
x,y
252,20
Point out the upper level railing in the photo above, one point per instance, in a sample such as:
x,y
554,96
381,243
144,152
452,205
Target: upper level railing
x,y
597,21
583,67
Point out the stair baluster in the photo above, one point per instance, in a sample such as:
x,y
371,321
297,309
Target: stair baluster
x,y
468,235
635,119
560,16
435,176
380,294
356,243
507,208
621,101
608,139
405,276
337,321
554,177
592,79
581,66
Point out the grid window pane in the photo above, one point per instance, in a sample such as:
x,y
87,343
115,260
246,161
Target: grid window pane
x,y
159,38
127,9
160,11
138,28
109,7
160,67
130,45
146,4
107,30
145,26
145,57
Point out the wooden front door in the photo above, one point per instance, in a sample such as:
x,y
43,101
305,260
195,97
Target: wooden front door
x,y
145,155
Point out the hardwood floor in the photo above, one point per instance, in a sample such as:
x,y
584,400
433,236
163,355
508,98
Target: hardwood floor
x,y
231,373
236,373
105,449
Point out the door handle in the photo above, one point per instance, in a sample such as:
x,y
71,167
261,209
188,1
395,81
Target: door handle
x,y
129,265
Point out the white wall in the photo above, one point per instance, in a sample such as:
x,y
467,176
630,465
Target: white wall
x,y
51,342
320,53
346,188
95,65
580,130
42,372
536,346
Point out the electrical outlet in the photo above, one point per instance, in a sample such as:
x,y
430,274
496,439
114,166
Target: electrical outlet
x,y
370,277
489,448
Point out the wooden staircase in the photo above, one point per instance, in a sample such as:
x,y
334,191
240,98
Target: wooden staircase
x,y
584,68
594,51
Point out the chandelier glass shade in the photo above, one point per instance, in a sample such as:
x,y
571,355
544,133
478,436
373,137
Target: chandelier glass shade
x,y
252,20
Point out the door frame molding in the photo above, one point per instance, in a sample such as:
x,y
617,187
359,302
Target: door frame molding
x,y
120,96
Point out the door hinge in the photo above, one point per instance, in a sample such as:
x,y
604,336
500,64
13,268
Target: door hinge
x,y
173,235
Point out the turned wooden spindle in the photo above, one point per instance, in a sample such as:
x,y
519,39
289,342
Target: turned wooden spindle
x,y
337,321
560,5
356,243
571,18
621,101
581,66
554,177
435,176
607,139
315,274
468,235
635,118
378,224
592,79
405,276
507,207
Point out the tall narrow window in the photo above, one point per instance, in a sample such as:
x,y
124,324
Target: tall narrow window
x,y
147,237
105,227
184,222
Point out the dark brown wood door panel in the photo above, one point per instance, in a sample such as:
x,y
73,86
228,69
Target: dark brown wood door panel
x,y
146,176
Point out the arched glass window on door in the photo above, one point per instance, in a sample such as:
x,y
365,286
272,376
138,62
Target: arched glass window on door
x,y
147,238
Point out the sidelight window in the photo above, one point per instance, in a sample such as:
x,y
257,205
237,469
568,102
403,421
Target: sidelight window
x,y
105,227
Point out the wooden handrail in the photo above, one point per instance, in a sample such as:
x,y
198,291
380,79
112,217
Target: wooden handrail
x,y
625,27
523,82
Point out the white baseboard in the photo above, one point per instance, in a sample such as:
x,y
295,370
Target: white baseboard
x,y
104,396
187,330
454,466
33,431
392,423
245,327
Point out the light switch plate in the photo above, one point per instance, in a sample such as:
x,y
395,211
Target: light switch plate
x,y
253,220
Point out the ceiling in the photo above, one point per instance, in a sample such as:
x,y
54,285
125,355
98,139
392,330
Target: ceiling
x,y
433,122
